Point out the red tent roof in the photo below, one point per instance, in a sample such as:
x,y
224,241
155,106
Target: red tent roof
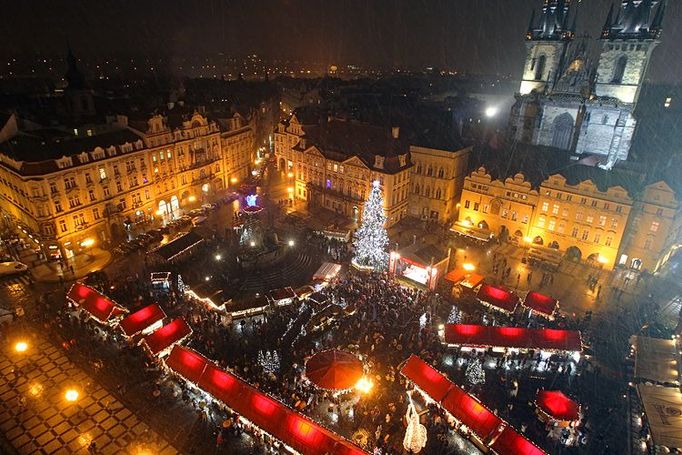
x,y
99,306
141,319
427,378
540,303
167,335
513,337
334,369
187,363
468,410
290,427
557,405
498,297
511,442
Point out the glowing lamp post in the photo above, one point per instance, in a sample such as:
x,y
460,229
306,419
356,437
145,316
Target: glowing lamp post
x,y
21,346
71,395
364,385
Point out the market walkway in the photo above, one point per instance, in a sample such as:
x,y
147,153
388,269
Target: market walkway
x,y
35,415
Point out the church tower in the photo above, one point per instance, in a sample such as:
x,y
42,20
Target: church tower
x,y
627,41
546,43
78,96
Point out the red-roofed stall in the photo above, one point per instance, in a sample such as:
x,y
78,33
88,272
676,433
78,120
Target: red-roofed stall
x,y
168,335
479,336
468,410
100,307
541,304
511,442
143,320
187,363
553,404
497,298
427,378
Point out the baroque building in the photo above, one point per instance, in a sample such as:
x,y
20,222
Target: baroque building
x,y
570,101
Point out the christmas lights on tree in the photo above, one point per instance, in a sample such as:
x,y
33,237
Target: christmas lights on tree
x,y
371,239
455,316
415,433
475,374
269,361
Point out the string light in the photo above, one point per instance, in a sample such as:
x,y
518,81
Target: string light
x,y
371,239
415,433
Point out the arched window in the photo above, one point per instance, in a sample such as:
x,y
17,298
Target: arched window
x,y
619,70
540,67
419,168
430,171
427,191
441,173
438,193
563,131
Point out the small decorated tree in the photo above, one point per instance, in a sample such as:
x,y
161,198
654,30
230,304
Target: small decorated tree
x,y
371,240
475,374
455,316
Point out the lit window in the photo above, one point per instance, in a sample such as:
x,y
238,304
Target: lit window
x,y
654,226
668,102
551,225
541,222
545,206
555,209
602,220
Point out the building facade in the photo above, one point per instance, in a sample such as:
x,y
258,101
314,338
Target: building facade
x,y
584,221
571,103
75,190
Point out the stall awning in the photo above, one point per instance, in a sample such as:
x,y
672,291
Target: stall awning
x,y
272,416
663,408
557,405
511,442
656,360
327,271
182,244
473,232
427,378
472,413
141,319
167,335
498,298
540,303
187,363
100,307
464,278
513,337
277,295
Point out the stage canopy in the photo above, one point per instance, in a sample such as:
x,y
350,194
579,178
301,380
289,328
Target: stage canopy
x,y
541,303
513,337
264,411
557,405
663,408
511,442
100,307
327,271
464,407
656,360
167,335
464,278
498,298
334,369
141,319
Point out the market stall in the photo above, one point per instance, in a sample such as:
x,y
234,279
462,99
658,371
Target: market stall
x,y
334,370
144,320
464,278
327,272
161,340
541,304
96,305
419,263
497,298
466,229
554,406
663,411
178,249
511,442
656,360
282,296
161,281
522,339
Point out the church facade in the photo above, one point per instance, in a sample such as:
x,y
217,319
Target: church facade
x,y
570,101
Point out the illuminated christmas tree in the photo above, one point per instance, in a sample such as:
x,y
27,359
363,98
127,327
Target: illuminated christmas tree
x,y
371,239
474,373
455,316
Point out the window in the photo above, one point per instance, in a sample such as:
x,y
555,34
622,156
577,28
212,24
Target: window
x,y
58,206
594,203
122,203
541,222
88,179
116,173
614,223
91,194
602,220
586,234
53,188
608,240
555,209
597,237
540,67
668,101
619,209
589,219
505,213
561,228
579,216
95,213
583,200
62,226
654,226
659,212
146,193
119,187
569,197
106,191
476,206
647,244
564,213
70,183
74,201
102,173
485,208
619,70
606,206
524,220
574,232
466,204
545,206
441,173
513,217
551,225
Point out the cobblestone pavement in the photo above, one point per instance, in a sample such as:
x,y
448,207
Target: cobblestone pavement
x,y
35,416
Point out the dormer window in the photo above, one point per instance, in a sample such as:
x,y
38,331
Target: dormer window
x,y
379,161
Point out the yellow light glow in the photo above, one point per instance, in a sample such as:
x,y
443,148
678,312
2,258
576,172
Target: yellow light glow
x,y
159,212
290,190
71,395
21,346
291,243
602,259
527,239
192,198
35,389
466,223
468,267
290,175
85,439
253,244
87,243
364,385
234,180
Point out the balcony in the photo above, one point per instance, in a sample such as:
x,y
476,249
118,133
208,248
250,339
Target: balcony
x,y
198,164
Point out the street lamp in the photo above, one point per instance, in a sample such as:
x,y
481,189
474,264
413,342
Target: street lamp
x,y
192,198
218,257
71,395
291,243
364,385
21,346
491,111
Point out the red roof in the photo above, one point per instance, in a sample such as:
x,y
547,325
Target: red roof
x,y
290,427
99,306
187,363
557,405
498,297
334,369
513,337
141,319
167,335
430,380
468,410
540,303
511,442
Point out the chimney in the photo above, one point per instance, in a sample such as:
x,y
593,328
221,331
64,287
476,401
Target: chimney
x,y
395,132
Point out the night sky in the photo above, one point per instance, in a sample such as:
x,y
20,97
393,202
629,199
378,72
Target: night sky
x,y
484,36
